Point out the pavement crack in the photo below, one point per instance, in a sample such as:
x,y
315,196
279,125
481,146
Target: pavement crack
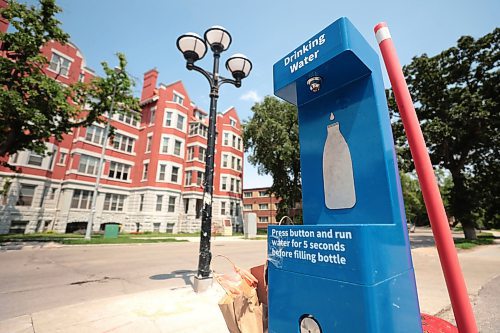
x,y
32,324
102,280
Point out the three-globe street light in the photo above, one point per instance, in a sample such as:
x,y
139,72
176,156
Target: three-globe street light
x,y
194,48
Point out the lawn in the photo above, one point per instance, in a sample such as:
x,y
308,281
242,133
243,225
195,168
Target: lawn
x,y
96,239
484,238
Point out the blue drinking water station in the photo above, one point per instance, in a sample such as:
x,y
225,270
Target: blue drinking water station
x,y
348,268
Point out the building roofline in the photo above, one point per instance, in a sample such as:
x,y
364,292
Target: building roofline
x,y
256,188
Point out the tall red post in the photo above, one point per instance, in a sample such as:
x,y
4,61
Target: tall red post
x,y
455,283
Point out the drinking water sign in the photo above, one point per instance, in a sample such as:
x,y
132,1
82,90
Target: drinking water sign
x,y
348,268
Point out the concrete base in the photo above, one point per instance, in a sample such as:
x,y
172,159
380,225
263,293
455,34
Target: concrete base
x,y
202,284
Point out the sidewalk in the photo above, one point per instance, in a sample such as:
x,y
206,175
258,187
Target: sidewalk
x,y
157,311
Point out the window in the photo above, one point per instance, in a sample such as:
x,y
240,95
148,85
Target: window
x,y
247,207
52,193
186,206
159,202
14,158
189,175
263,219
233,143
232,122
88,165
152,114
114,202
233,162
81,77
178,99
145,170
177,147
224,160
202,154
175,174
82,199
238,186
128,118
199,179
199,207
164,145
262,193
18,227
190,156
247,194
231,208
141,203
226,139
59,64
263,206
198,129
232,185
148,143
62,158
168,119
223,185
123,143
26,194
52,157
222,208
171,204
118,171
239,144
162,172
35,159
237,210
238,164
95,134
180,122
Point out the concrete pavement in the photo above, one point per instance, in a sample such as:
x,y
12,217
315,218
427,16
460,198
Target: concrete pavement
x,y
179,309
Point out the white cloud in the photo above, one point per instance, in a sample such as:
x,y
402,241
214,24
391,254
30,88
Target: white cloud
x,y
252,96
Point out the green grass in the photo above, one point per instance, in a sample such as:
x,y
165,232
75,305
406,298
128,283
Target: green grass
x,y
484,238
79,239
122,239
159,234
37,237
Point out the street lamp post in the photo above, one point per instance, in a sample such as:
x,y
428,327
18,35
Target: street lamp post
x,y
194,48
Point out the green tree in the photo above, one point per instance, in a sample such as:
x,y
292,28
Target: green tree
x,y
456,95
412,196
114,90
271,136
413,199
35,107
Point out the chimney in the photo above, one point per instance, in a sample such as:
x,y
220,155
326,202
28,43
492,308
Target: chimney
x,y
148,88
4,24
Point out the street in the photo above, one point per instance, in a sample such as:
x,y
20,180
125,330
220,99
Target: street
x,y
43,278
33,279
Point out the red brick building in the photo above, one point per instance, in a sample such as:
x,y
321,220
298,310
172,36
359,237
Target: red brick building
x,y
263,204
153,167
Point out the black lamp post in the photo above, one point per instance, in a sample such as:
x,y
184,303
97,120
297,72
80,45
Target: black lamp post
x,y
194,48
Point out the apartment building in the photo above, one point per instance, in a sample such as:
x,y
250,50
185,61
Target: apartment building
x,y
263,204
153,168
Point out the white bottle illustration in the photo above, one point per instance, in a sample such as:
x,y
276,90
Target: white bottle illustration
x,y
338,180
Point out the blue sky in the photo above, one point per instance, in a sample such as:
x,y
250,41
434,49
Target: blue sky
x,y
265,31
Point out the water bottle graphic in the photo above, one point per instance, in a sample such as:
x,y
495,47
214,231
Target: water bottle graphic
x,y
338,180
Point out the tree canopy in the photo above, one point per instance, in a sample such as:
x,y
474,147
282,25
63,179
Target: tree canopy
x,y
113,91
35,107
456,95
272,138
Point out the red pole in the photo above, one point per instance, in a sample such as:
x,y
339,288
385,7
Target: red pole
x,y
455,283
